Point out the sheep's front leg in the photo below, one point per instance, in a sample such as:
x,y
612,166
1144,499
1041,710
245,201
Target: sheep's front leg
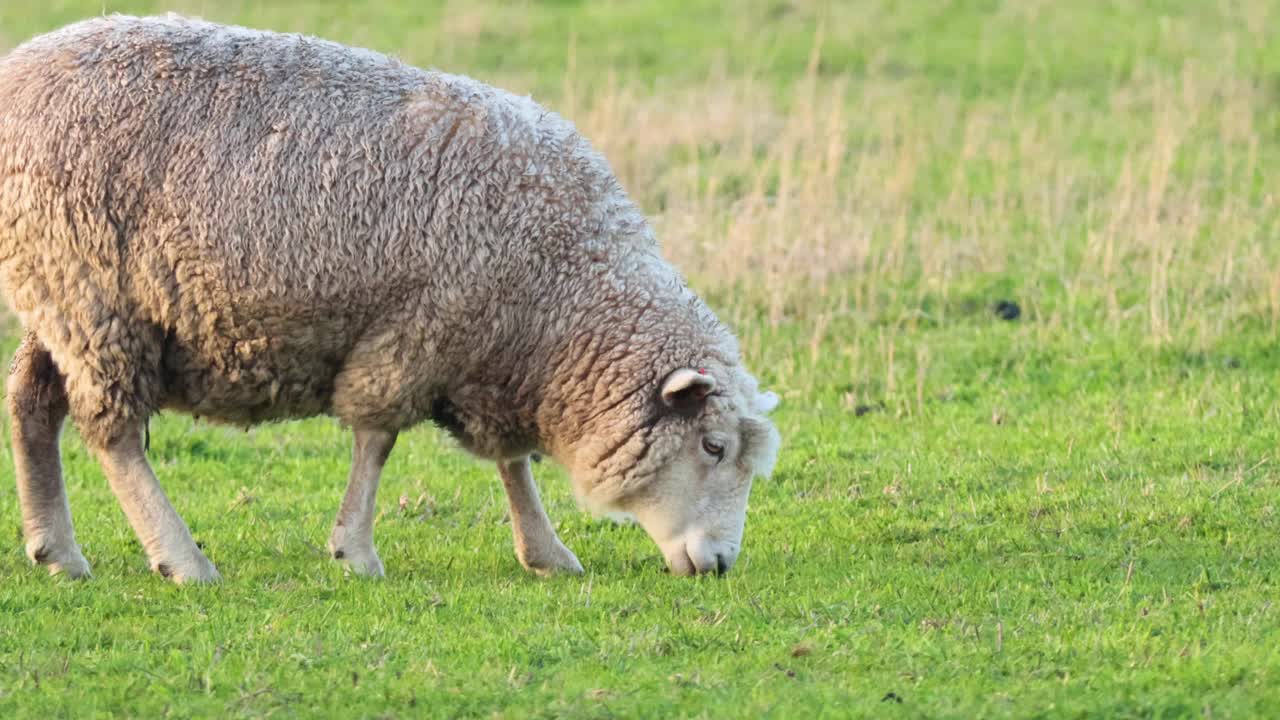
x,y
168,542
352,537
537,546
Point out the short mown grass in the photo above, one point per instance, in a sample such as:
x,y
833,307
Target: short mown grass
x,y
1071,512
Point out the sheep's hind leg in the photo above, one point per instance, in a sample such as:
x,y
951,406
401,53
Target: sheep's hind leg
x,y
537,546
169,545
352,538
37,409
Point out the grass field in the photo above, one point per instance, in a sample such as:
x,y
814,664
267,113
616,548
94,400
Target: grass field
x,y
1071,513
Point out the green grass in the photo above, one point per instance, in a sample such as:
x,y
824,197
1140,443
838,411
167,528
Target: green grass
x,y
1069,514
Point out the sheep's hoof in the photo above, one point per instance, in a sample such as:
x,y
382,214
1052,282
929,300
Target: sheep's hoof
x,y
356,554
551,561
196,571
364,562
61,559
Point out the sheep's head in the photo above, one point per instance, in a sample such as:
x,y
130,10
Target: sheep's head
x,y
684,468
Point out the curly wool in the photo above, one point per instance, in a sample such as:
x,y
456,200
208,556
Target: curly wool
x,y
250,226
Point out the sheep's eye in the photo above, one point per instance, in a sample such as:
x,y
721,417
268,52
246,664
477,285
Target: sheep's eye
x,y
713,448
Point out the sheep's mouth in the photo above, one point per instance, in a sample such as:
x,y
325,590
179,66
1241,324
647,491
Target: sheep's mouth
x,y
681,564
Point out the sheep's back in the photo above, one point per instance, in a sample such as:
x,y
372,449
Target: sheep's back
x,y
285,164
266,154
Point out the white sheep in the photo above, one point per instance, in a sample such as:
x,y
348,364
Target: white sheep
x,y
248,226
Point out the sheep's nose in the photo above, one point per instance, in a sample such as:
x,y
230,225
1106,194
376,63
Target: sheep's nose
x,y
722,564
713,557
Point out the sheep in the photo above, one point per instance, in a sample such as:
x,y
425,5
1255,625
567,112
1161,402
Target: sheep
x,y
251,227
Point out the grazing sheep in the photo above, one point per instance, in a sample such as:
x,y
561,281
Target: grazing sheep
x,y
248,226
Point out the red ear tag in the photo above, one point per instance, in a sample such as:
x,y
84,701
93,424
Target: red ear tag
x,y
702,371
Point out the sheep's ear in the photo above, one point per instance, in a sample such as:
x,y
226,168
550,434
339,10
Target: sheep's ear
x,y
686,388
